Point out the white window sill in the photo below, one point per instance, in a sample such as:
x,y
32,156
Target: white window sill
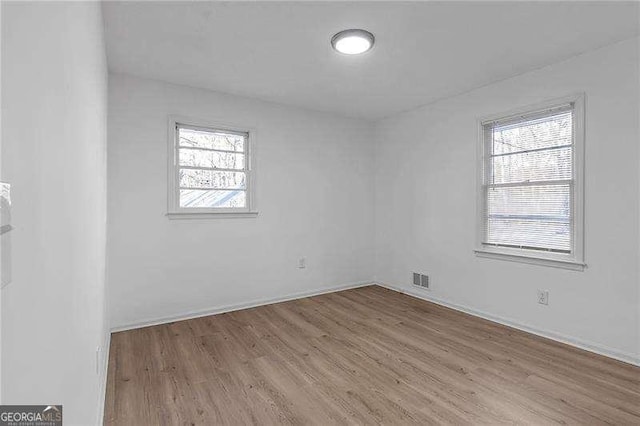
x,y
522,258
212,215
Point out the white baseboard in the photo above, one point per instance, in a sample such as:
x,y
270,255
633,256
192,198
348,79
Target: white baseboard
x,y
102,392
236,307
572,341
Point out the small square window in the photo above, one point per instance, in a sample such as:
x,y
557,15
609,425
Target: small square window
x,y
210,170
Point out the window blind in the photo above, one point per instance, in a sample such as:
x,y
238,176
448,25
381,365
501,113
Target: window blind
x,y
529,181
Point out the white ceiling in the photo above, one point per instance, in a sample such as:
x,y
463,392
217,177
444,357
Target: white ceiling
x,y
280,51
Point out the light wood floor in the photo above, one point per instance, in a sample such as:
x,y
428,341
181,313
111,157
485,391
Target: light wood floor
x,y
363,356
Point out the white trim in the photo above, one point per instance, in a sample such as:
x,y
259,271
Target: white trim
x,y
104,371
237,306
556,260
578,176
531,112
627,357
212,169
575,260
556,182
174,211
211,215
205,126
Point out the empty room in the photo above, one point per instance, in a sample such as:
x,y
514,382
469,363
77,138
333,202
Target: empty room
x,y
319,212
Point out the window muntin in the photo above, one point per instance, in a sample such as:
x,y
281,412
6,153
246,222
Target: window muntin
x,y
529,184
211,170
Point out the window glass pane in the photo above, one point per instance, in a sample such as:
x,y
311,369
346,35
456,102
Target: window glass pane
x,y
197,198
530,233
550,201
533,216
192,178
552,164
214,159
555,130
211,139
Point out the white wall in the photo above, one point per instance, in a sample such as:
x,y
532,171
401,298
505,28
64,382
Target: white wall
x,y
54,84
1,248
426,205
314,193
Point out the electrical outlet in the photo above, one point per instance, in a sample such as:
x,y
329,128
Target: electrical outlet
x,y
302,263
543,297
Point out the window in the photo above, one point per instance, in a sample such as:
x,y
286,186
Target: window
x,y
531,185
210,170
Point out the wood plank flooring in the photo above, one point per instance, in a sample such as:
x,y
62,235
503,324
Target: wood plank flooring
x,y
362,356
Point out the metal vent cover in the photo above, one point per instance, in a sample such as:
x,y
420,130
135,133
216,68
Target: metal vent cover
x,y
416,279
420,280
424,281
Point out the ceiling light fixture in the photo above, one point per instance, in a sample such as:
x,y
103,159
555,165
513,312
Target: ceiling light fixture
x,y
352,42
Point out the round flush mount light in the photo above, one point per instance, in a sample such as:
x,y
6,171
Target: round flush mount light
x,y
352,42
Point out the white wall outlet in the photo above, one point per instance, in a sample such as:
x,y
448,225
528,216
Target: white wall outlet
x,y
543,297
302,263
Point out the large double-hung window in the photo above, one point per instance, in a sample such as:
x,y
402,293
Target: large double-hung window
x,y
530,195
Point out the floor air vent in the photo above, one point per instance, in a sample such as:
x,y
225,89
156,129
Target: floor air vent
x,y
421,280
424,281
416,279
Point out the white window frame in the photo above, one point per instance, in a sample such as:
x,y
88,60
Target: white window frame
x,y
573,260
173,185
